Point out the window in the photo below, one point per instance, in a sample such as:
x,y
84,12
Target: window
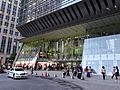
x,y
14,13
3,6
9,45
10,1
15,2
5,31
13,19
1,16
8,11
12,25
9,6
7,17
16,33
14,10
6,24
15,46
3,43
11,32
1,23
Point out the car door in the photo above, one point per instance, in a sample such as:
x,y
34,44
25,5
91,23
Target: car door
x,y
11,72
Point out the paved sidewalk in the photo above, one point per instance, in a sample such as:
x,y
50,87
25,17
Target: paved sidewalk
x,y
93,83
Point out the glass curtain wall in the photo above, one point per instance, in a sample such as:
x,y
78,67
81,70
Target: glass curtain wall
x,y
32,9
58,50
102,51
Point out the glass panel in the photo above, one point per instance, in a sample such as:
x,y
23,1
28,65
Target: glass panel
x,y
94,65
108,65
104,49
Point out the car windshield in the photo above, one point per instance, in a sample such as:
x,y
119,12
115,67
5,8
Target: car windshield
x,y
19,69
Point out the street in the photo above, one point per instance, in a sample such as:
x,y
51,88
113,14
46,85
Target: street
x,y
38,82
32,83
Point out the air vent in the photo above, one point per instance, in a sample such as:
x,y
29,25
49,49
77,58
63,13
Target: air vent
x,y
88,10
99,5
70,14
61,16
74,12
66,16
57,18
79,11
47,21
94,9
44,23
53,19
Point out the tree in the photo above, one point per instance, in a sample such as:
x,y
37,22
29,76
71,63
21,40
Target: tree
x,y
12,58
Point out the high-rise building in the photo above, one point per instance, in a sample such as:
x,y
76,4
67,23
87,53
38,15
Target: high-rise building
x,y
33,9
9,36
66,32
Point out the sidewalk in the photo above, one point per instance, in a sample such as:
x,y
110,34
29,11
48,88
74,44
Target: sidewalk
x,y
93,83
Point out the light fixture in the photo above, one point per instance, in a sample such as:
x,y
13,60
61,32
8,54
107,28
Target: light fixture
x,y
108,8
115,6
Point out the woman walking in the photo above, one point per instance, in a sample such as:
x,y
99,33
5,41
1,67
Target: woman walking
x,y
113,72
103,72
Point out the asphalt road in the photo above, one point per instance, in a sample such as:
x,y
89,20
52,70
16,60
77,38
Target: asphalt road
x,y
32,83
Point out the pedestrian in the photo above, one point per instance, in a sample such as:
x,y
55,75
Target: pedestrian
x,y
86,71
32,70
79,71
68,72
116,72
103,72
89,72
73,69
75,72
64,72
113,72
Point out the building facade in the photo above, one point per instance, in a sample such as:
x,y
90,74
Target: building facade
x,y
82,28
9,36
33,9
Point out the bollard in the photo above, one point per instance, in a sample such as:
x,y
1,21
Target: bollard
x,y
46,74
55,75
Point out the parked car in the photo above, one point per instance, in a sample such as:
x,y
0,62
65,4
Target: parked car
x,y
17,72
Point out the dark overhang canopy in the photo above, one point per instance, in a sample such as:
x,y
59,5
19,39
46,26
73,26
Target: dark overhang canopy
x,y
72,20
